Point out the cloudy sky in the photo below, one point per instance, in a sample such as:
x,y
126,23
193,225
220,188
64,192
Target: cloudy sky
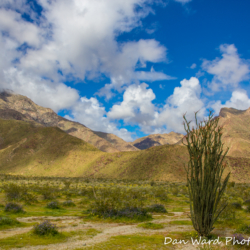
x,y
128,67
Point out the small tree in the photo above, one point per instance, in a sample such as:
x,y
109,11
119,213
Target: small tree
x,y
204,172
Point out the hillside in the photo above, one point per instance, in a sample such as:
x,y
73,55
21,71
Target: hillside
x,y
29,148
236,131
32,149
157,140
19,107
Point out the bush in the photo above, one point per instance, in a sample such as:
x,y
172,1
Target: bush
x,y
248,209
160,192
247,202
13,208
45,228
244,229
132,213
53,205
175,191
8,221
13,191
157,208
69,203
236,205
150,225
48,192
238,238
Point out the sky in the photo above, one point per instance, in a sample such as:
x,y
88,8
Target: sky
x,y
131,68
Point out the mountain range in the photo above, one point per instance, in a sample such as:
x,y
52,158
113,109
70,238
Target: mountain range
x,y
36,141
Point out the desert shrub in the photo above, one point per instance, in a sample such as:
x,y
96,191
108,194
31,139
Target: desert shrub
x,y
69,203
53,205
152,183
13,208
175,191
231,184
157,208
150,225
237,239
48,192
132,213
29,198
160,192
67,183
12,191
247,202
236,205
45,228
119,202
228,213
8,221
248,209
244,229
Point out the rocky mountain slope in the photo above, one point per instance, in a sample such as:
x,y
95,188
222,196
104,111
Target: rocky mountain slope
x,y
157,140
236,131
29,148
19,107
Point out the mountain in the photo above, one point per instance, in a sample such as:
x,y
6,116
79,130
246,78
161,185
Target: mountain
x,y
19,107
157,140
29,148
236,131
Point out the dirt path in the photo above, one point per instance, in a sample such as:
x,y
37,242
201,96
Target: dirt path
x,y
70,223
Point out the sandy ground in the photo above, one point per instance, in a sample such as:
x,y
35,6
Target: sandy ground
x,y
70,223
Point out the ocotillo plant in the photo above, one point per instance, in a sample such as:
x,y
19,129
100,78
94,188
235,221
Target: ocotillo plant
x,y
204,172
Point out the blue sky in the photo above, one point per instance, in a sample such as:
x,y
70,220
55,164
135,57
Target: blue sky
x,y
131,67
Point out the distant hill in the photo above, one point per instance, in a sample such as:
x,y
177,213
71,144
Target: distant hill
x,y
32,149
157,140
236,131
19,107
29,148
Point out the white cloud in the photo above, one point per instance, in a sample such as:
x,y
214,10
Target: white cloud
x,y
137,107
90,113
238,100
183,1
43,92
229,70
21,31
185,99
79,38
152,76
193,66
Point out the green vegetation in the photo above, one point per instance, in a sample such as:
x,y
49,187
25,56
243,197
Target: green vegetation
x,y
45,228
30,149
112,203
150,225
204,173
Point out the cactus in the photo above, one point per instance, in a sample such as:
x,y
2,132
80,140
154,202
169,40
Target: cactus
x,y
204,172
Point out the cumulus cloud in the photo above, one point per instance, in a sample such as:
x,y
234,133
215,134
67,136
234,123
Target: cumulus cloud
x,y
76,39
229,70
56,96
93,115
137,107
238,100
186,99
